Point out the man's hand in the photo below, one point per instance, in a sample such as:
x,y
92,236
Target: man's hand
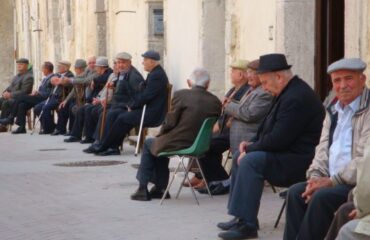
x,y
353,214
110,85
241,156
104,102
243,146
62,104
95,101
7,95
315,184
216,128
34,93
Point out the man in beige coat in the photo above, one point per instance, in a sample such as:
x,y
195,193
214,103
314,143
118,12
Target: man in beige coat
x,y
189,109
311,205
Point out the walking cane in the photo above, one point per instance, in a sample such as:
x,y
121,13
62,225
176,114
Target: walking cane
x,y
102,125
140,130
42,110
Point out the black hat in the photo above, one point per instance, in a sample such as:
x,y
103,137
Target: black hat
x,y
152,55
272,63
23,60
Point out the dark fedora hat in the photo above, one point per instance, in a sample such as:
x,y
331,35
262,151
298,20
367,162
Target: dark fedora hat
x,y
272,63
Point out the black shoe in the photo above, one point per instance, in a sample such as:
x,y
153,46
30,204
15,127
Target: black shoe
x,y
92,149
107,152
57,132
141,195
19,130
72,139
240,233
228,225
87,140
6,121
42,132
158,193
220,190
68,133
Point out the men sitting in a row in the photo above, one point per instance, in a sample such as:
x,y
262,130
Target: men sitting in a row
x,y
45,109
103,71
26,102
190,107
311,205
211,163
154,96
282,149
21,85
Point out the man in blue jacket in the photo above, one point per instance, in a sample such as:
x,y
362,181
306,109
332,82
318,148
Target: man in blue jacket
x,y
282,150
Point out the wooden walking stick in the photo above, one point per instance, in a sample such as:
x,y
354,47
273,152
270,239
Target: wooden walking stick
x,y
104,116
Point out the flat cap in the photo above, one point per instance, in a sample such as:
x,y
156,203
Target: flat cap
x,y
353,64
65,62
80,63
23,60
124,56
102,62
152,55
254,64
240,64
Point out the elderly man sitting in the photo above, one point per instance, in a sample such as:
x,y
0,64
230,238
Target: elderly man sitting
x,y
282,150
311,205
190,107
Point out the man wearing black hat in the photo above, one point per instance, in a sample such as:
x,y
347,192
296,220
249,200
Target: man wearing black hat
x,y
21,85
282,149
154,96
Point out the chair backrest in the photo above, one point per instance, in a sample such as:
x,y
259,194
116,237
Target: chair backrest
x,y
203,140
169,96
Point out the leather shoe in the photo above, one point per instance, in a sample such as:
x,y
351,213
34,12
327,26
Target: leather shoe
x,y
193,182
240,233
108,152
6,121
19,130
57,132
141,194
67,134
229,224
87,140
93,148
156,193
72,139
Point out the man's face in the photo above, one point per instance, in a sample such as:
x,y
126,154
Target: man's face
x,y
348,85
99,70
22,67
253,79
123,65
44,70
236,76
79,71
62,68
91,63
148,64
270,83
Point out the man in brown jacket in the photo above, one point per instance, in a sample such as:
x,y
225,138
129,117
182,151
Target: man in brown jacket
x,y
21,84
190,107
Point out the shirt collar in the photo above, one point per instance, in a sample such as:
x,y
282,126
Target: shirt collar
x,y
354,105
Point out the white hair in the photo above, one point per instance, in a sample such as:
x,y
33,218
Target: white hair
x,y
200,77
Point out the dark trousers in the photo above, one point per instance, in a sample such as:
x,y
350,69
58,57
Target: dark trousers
x,y
6,107
120,128
22,105
112,115
47,116
211,163
152,168
312,220
341,217
247,182
78,123
65,114
92,113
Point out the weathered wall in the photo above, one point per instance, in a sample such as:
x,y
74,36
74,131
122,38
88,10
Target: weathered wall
x,y
7,43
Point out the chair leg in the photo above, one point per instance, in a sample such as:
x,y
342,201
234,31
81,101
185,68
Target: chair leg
x,y
170,183
204,178
183,180
187,177
280,213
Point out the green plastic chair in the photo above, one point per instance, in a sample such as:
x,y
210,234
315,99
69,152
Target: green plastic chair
x,y
198,149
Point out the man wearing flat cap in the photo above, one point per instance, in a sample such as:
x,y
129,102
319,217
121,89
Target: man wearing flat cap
x,y
127,86
59,92
282,149
311,204
154,96
21,85
103,71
